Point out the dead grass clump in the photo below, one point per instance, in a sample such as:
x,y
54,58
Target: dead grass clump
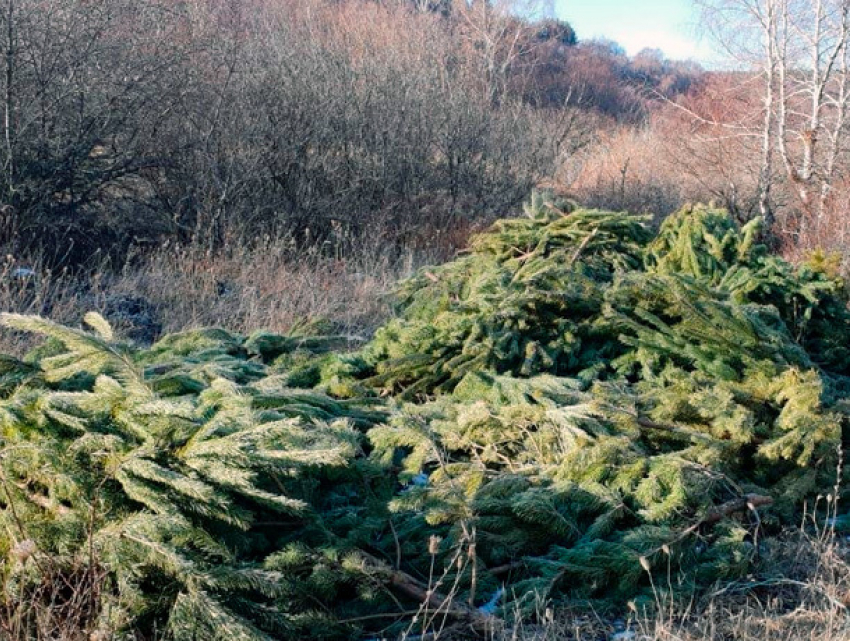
x,y
801,592
626,170
270,283
28,286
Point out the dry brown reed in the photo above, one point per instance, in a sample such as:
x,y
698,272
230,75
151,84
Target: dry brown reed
x,y
266,283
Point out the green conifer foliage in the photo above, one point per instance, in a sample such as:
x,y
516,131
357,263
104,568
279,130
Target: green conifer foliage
x,y
524,300
704,244
696,403
574,410
170,471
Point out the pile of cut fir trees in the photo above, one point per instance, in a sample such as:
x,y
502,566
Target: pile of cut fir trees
x,y
576,411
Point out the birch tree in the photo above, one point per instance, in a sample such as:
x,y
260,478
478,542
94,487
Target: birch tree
x,y
796,54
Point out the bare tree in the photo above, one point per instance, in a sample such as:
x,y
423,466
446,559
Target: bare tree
x,y
498,34
127,120
86,87
796,53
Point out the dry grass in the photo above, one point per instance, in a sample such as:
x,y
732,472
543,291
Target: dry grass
x,y
627,169
269,284
802,593
29,287
262,287
62,607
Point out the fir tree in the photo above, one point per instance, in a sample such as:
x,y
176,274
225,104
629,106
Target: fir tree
x,y
708,392
567,409
164,469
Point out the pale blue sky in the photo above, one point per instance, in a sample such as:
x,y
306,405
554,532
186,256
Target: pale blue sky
x,y
669,25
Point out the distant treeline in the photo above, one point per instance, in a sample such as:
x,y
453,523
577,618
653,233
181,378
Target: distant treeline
x,y
129,121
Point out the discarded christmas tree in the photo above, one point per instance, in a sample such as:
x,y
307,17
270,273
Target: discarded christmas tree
x,y
689,399
177,475
571,407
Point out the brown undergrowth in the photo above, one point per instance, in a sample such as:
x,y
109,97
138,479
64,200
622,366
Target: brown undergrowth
x,y
270,283
801,591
